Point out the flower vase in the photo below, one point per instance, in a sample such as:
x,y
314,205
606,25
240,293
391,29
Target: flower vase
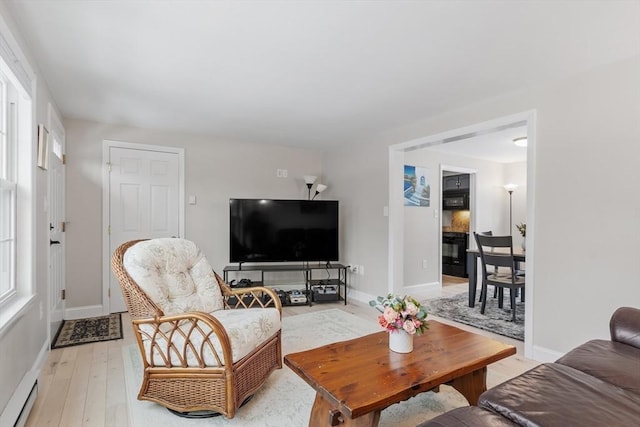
x,y
524,244
400,341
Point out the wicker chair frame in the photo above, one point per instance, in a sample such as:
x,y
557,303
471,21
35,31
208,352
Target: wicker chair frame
x,y
184,388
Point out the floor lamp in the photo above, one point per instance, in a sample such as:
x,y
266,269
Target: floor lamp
x,y
510,189
309,180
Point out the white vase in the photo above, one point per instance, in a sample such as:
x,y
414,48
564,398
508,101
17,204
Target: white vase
x,y
400,341
524,244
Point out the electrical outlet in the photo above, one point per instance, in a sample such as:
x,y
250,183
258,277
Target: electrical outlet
x,y
424,263
354,269
361,270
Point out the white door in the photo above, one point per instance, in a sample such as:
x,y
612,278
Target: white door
x,y
56,226
144,201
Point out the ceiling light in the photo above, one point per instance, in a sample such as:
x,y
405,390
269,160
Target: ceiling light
x,y
521,141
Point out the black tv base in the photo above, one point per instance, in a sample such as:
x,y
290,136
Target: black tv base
x,y
316,290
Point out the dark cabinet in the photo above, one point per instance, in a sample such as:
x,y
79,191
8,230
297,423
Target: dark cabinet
x,y
455,182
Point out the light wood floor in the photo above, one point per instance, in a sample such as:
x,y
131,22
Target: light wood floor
x,y
84,385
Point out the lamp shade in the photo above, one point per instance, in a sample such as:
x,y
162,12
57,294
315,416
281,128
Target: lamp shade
x,y
521,141
510,187
320,188
309,179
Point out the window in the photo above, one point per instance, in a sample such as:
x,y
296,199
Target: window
x,y
8,188
17,246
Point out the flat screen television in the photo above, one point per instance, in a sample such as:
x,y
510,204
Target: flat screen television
x,y
283,230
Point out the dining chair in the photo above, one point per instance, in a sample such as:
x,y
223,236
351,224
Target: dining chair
x,y
496,254
495,290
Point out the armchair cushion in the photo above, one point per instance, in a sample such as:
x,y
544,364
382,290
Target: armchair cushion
x,y
175,275
247,329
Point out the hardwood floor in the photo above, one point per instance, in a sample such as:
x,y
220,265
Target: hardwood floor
x,y
84,385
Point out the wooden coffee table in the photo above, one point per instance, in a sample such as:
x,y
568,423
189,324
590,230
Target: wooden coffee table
x,y
356,379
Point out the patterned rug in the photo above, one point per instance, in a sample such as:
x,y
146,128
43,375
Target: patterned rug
x,y
286,399
494,319
92,329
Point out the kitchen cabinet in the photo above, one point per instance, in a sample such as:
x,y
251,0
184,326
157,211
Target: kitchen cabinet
x,y
456,182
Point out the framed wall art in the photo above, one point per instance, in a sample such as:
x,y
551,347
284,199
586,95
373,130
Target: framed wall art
x,y
417,190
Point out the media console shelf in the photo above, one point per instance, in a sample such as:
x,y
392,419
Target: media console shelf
x,y
318,290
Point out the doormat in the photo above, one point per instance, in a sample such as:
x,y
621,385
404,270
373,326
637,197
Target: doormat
x,y
92,329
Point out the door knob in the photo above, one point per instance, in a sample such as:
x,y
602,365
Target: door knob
x,y
53,242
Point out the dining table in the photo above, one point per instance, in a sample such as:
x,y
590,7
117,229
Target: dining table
x,y
473,255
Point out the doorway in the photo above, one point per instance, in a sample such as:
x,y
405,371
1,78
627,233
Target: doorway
x,y
396,225
56,175
143,196
457,218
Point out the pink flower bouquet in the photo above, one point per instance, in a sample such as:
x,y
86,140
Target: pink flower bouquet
x,y
401,313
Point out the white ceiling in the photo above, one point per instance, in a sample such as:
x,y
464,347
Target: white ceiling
x,y
495,146
308,73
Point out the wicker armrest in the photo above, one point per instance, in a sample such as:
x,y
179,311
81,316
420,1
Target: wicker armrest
x,y
257,296
183,340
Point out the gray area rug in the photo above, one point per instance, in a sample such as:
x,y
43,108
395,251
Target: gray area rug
x,y
286,400
494,319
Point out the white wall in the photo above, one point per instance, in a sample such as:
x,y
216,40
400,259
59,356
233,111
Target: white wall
x,y
586,167
23,345
516,173
215,171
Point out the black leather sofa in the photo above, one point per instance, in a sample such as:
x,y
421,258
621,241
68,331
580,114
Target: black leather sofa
x,y
595,384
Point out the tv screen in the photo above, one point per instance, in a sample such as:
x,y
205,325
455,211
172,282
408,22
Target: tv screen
x,y
283,230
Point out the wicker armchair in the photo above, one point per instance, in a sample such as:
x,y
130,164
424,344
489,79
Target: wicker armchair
x,y
204,346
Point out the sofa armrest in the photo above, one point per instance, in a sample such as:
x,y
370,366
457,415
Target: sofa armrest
x,y
625,326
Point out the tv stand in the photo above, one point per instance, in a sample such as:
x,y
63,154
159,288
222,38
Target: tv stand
x,y
316,290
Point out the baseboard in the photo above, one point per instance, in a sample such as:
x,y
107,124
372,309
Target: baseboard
x,y
362,297
545,355
83,312
423,287
23,398
413,289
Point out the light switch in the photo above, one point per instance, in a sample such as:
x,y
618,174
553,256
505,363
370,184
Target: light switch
x,y
192,200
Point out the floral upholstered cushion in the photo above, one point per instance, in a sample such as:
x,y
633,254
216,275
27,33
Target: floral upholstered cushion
x,y
247,329
178,278
174,274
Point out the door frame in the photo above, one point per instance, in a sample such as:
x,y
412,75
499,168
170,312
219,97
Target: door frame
x,y
396,221
106,203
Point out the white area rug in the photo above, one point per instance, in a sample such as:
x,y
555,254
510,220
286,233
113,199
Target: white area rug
x,y
286,400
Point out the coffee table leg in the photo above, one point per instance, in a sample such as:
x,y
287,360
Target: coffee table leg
x,y
472,385
323,414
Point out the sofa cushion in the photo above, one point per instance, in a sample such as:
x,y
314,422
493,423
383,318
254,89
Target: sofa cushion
x,y
613,362
558,395
247,329
174,274
468,416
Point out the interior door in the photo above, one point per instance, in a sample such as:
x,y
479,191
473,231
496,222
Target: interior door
x,y
56,235
144,201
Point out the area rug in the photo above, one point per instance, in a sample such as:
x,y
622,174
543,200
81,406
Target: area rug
x,y
494,319
286,400
92,329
